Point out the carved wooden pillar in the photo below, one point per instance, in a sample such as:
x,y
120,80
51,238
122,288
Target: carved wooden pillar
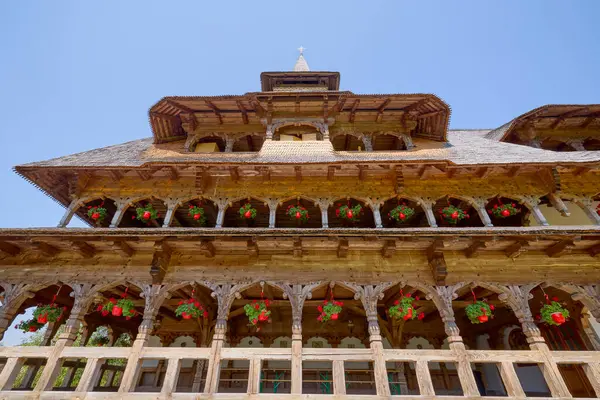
x,y
479,203
533,204
376,207
577,144
559,205
14,296
122,205
83,295
427,204
324,206
297,294
222,205
272,203
172,205
73,207
517,297
153,296
442,297
368,142
587,205
369,295
229,142
225,294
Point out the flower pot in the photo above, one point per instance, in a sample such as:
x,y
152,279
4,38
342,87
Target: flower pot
x,y
558,318
117,311
482,318
42,319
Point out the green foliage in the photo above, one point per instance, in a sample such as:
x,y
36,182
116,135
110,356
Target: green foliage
x,y
348,213
478,309
298,213
146,214
258,311
128,308
404,309
190,307
549,309
97,213
29,326
504,210
49,312
247,211
401,213
329,310
453,214
198,214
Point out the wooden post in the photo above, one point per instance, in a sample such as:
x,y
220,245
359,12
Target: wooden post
x,y
559,205
272,203
222,205
587,205
424,379
324,206
533,204
510,379
122,205
172,205
376,207
9,372
171,376
14,296
90,375
229,142
592,370
427,204
73,207
479,203
339,380
368,142
254,376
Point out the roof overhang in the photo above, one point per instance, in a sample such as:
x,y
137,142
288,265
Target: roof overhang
x,y
270,80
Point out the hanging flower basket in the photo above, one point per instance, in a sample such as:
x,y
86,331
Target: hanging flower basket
x,y
479,312
247,212
190,309
504,210
330,310
257,311
125,308
453,214
97,213
29,326
554,313
404,309
107,307
99,340
146,214
298,213
401,213
198,214
48,313
351,214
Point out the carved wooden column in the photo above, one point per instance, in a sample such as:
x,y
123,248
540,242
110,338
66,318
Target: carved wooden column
x,y
532,203
229,142
83,295
324,206
442,297
376,207
369,295
587,205
517,297
73,207
222,205
14,296
272,203
427,204
153,296
368,142
297,294
225,294
559,205
172,205
577,144
479,203
122,205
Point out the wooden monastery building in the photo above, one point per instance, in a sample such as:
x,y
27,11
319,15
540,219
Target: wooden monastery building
x,y
306,242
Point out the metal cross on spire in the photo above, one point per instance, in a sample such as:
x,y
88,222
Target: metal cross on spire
x,y
301,50
301,64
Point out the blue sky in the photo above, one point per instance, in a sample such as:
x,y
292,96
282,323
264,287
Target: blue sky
x,y
76,75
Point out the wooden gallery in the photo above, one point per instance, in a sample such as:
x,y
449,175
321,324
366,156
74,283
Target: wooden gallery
x,y
307,242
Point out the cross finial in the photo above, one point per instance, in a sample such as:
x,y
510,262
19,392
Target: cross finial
x,y
301,50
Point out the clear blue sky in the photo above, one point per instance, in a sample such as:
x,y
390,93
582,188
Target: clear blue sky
x,y
76,75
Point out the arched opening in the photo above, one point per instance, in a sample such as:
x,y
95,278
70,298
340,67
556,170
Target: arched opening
x,y
297,207
131,220
297,133
455,212
347,143
209,144
237,219
248,143
189,215
504,211
98,212
385,142
592,144
361,215
394,214
577,215
556,145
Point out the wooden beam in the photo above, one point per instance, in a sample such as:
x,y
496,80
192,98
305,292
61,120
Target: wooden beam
x,y
252,247
161,260
399,178
208,248
85,249
181,107
215,110
560,118
243,110
516,249
415,105
342,250
235,173
594,251
560,248
115,175
45,248
325,108
514,171
426,171
362,172
389,248
331,172
483,172
297,247
144,175
381,109
581,171
590,118
298,170
265,172
172,173
121,247
474,248
437,262
353,110
9,248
